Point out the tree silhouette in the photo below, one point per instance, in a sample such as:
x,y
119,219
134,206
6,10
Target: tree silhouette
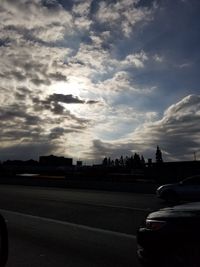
x,y
142,161
105,162
129,162
121,161
116,162
158,155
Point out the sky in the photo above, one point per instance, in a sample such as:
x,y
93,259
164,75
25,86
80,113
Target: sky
x,y
92,79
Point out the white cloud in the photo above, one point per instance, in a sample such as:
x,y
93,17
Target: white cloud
x,y
82,9
31,14
95,59
185,65
123,13
177,133
121,83
158,58
136,59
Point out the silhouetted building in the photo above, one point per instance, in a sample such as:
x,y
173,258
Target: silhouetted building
x,y
55,161
79,163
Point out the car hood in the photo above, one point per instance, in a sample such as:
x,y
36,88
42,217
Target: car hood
x,y
184,210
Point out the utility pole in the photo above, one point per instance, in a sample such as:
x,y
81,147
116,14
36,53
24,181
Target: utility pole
x,y
195,158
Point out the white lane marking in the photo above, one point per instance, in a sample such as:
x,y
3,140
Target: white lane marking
x,y
119,207
79,226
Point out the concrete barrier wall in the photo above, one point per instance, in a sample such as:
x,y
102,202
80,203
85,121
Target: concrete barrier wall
x,y
136,187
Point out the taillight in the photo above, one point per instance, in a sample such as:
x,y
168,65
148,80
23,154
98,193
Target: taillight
x,y
154,224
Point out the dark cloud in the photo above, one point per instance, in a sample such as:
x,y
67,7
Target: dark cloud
x,y
26,34
57,109
67,99
39,105
58,76
102,149
15,112
18,75
22,93
52,103
26,151
4,42
50,4
58,132
24,90
27,133
91,102
38,81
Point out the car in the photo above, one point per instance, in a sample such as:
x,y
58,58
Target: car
x,y
171,237
187,189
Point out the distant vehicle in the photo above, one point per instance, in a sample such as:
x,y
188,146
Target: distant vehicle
x,y
188,189
170,237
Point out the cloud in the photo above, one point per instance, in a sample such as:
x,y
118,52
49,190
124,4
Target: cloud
x,y
91,102
101,149
58,109
136,60
53,104
58,76
57,132
67,99
99,70
82,9
15,111
177,133
123,13
34,14
119,82
33,30
123,82
28,150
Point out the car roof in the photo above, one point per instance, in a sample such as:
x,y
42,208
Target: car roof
x,y
192,177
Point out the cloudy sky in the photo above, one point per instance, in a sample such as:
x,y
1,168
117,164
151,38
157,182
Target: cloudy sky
x,y
88,78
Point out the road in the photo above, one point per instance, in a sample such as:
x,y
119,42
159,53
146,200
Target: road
x,y
61,227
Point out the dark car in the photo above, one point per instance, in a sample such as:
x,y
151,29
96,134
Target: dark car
x,y
171,237
187,189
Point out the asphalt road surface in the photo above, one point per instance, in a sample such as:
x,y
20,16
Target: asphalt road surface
x,y
61,227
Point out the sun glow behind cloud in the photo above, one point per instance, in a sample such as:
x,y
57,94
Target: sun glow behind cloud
x,y
73,86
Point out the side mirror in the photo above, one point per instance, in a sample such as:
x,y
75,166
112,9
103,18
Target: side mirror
x,y
3,242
